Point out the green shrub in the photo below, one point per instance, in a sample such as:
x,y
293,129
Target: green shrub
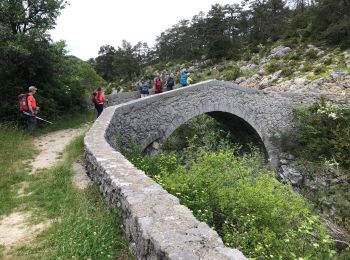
x,y
232,74
244,202
319,70
287,71
311,54
324,132
273,66
108,90
307,67
328,61
237,196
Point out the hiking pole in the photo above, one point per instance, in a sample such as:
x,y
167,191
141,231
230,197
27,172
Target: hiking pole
x,y
26,113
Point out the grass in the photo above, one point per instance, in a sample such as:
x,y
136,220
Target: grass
x,y
83,226
68,121
15,147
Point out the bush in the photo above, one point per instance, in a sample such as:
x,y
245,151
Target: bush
x,y
108,90
244,202
273,66
328,61
237,196
323,132
287,71
307,67
232,74
319,70
311,54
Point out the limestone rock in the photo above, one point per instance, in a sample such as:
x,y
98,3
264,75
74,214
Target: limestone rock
x,y
265,83
290,174
279,51
300,81
248,67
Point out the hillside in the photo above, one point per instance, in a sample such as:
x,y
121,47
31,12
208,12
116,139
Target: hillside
x,y
305,69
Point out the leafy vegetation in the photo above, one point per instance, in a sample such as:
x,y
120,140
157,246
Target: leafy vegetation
x,y
324,133
322,149
82,226
237,196
29,57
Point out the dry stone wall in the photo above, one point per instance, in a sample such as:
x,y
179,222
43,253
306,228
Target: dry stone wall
x,y
154,220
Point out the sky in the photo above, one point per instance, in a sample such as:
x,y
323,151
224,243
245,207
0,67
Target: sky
x,y
86,25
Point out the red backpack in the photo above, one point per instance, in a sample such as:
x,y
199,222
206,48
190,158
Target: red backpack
x,y
23,102
95,97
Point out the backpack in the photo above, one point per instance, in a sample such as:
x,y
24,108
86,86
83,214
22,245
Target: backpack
x,y
144,88
23,102
158,84
170,82
184,79
95,97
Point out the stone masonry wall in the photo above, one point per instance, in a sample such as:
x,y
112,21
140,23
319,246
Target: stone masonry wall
x,y
158,225
154,220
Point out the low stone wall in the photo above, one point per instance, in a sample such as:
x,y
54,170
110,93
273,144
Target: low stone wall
x,y
155,222
122,97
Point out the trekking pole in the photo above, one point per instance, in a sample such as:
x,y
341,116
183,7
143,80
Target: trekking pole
x,y
26,113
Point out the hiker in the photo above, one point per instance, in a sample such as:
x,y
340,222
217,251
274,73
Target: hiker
x,y
144,89
189,79
98,98
170,82
33,110
184,79
159,86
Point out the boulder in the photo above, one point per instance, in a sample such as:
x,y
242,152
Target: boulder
x,y
300,81
240,80
290,174
320,53
276,75
279,51
265,83
252,82
248,67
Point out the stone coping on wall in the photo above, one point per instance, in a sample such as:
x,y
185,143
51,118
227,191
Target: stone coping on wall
x,y
155,222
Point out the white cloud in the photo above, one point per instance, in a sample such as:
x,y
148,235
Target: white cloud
x,y
86,25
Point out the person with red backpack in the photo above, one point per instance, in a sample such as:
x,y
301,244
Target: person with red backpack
x,y
28,105
98,98
159,86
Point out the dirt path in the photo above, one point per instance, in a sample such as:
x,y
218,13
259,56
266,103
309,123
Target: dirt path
x,y
51,147
15,229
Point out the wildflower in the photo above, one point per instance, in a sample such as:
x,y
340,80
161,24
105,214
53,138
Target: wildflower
x,y
333,115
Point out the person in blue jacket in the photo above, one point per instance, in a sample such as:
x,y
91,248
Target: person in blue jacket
x,y
144,89
184,77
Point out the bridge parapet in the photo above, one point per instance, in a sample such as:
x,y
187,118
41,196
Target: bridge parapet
x,y
154,220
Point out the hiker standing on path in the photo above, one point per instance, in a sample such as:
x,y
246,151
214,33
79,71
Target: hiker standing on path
x,y
170,82
159,86
33,110
184,77
98,98
144,89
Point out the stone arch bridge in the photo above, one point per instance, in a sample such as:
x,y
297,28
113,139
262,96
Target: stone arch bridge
x,y
258,114
158,226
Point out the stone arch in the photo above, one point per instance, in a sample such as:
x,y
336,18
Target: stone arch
x,y
240,114
144,204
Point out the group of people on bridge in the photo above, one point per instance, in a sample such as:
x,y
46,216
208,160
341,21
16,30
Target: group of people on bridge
x,y
28,106
170,82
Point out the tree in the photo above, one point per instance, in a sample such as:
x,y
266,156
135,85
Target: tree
x,y
104,63
28,57
23,16
331,21
267,21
